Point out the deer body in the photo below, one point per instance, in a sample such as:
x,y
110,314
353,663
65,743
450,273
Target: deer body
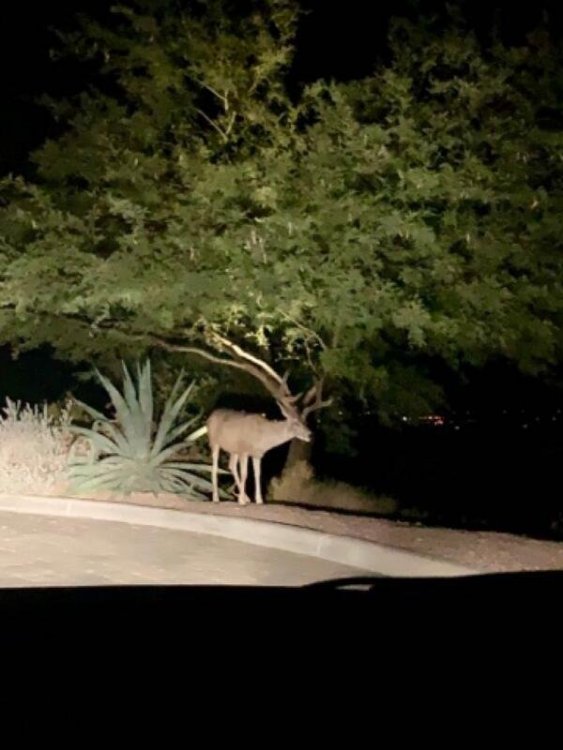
x,y
245,436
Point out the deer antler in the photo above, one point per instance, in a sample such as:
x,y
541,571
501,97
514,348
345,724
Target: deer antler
x,y
313,400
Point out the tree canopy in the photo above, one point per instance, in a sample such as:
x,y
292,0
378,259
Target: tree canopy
x,y
358,230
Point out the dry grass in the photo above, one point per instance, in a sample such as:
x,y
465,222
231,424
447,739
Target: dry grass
x,y
298,485
34,445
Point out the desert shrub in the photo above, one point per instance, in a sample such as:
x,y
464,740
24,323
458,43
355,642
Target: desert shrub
x,y
298,484
34,445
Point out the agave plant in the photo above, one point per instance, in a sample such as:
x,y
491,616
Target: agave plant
x,y
132,454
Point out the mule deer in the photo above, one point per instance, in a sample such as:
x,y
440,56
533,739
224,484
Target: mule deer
x,y
245,435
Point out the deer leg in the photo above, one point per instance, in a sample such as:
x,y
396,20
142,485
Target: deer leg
x,y
215,458
233,468
258,491
242,498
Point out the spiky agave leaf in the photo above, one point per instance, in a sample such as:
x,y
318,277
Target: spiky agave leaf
x,y
128,413
172,408
126,457
146,404
102,444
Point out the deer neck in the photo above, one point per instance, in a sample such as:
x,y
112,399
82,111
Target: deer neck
x,y
280,433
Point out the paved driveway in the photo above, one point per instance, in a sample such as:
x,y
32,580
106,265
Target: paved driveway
x,y
47,551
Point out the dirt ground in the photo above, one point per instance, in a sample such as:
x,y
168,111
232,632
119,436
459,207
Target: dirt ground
x,y
486,551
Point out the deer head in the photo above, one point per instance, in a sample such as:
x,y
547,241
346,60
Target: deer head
x,y
295,424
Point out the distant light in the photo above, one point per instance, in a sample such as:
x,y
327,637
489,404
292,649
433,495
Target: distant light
x,y
405,419
434,419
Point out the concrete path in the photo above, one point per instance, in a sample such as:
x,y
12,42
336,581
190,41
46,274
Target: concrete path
x,y
50,551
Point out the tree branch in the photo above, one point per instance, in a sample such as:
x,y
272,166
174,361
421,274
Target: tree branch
x,y
260,370
313,334
240,352
243,366
224,136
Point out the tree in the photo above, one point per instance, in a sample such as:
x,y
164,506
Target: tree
x,y
360,234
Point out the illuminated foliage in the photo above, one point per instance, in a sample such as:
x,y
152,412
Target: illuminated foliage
x,y
364,230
